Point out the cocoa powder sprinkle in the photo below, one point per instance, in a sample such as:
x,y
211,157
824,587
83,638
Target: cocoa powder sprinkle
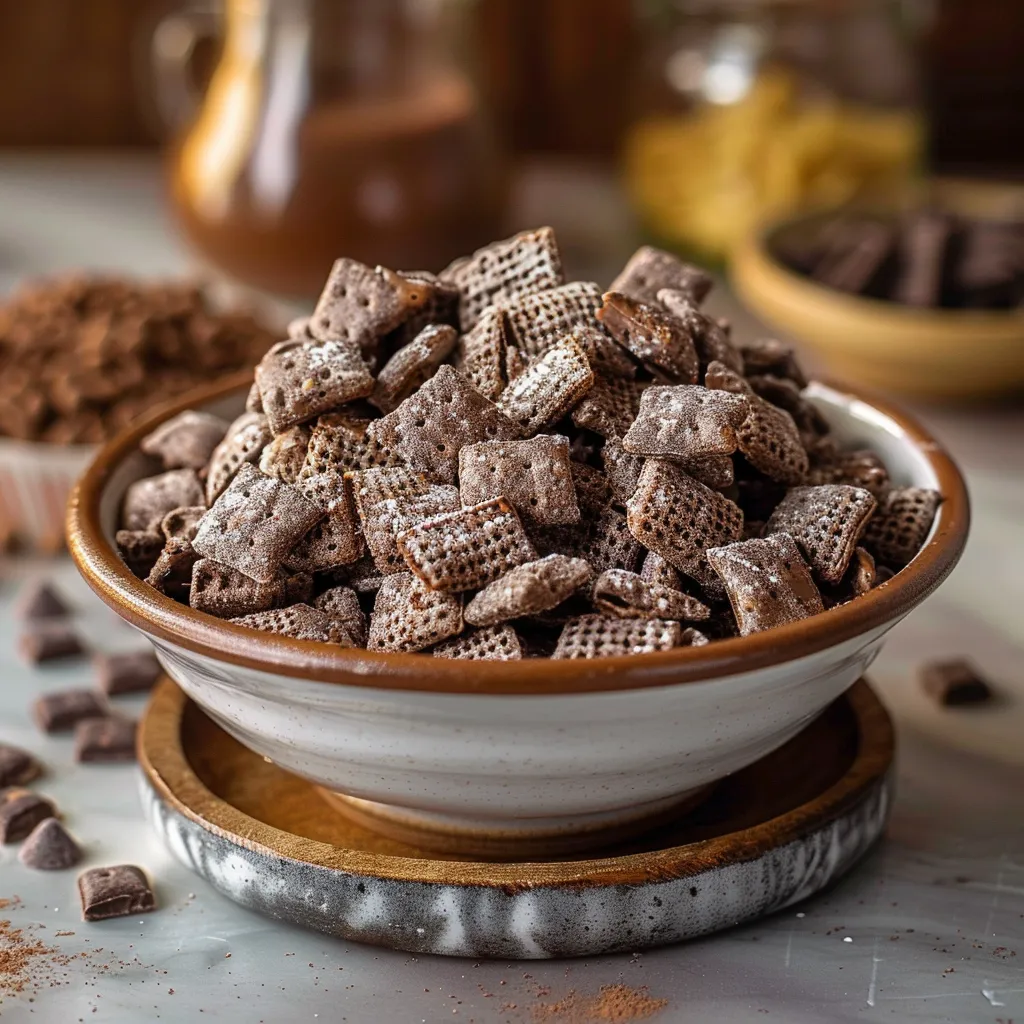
x,y
619,1004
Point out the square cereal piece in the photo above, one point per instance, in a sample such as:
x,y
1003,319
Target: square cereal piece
x,y
600,636
649,270
954,683
767,581
129,672
253,402
20,811
172,572
769,439
503,271
299,380
409,616
716,471
623,470
219,590
687,423
594,491
284,457
710,336
898,530
341,605
63,710
482,351
333,542
657,571
605,355
548,389
388,507
430,427
244,442
147,501
539,320
139,550
109,740
766,355
719,377
662,342
300,622
181,523
360,304
186,441
114,892
533,475
610,407
467,549
679,518
493,643
626,595
602,538
254,524
442,307
49,640
826,522
335,450
413,364
861,468
528,589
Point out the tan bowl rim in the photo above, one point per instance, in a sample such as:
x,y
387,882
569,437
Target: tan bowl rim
x,y
166,620
753,249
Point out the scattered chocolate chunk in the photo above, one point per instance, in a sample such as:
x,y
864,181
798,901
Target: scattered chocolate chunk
x,y
109,740
39,599
132,672
114,892
50,847
48,641
62,711
20,811
17,766
955,682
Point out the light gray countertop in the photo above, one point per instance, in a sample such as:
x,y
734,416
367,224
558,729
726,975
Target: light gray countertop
x,y
929,928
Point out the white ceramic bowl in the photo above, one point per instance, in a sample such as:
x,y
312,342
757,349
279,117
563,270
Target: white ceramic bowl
x,y
546,754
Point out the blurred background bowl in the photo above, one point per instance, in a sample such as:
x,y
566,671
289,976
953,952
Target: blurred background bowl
x,y
934,354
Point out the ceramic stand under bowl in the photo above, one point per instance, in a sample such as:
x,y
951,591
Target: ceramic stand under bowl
x,y
768,836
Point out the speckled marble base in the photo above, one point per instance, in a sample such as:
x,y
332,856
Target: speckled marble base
x,y
767,837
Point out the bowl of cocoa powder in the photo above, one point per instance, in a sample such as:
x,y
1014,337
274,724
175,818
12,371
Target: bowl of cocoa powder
x,y
83,356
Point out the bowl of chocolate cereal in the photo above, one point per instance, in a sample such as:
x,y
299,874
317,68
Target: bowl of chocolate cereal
x,y
922,298
81,357
507,563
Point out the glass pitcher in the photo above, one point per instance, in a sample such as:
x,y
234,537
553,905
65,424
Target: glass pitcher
x,y
328,128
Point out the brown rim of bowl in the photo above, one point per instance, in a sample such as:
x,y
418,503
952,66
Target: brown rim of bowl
x,y
165,764
166,620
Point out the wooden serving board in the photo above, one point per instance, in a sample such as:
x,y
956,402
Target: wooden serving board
x,y
768,836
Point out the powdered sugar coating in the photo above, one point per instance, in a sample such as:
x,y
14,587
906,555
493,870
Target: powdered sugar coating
x,y
466,549
626,595
493,643
528,589
767,581
687,423
600,636
409,616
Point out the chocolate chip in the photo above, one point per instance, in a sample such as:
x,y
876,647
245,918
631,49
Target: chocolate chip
x,y
39,599
20,811
105,740
132,672
48,641
59,712
17,766
114,892
50,847
955,682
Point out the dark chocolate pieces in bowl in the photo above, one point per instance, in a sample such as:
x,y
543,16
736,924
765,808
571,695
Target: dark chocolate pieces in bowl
x,y
497,463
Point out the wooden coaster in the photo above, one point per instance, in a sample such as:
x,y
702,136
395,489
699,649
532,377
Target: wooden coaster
x,y
767,837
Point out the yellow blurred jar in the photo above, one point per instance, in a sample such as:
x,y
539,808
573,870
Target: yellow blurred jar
x,y
752,108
